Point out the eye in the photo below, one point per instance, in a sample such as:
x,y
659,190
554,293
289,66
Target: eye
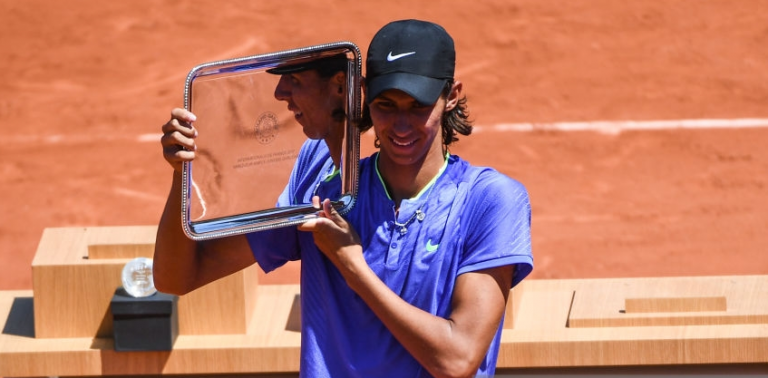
x,y
384,104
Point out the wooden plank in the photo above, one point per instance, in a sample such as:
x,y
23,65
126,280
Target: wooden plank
x,y
675,304
124,242
672,301
513,305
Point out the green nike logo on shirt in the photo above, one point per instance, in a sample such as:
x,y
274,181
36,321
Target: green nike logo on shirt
x,y
431,247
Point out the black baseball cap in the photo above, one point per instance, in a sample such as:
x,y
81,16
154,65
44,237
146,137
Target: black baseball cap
x,y
326,66
414,56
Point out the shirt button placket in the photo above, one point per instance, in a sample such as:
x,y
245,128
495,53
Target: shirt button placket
x,y
393,254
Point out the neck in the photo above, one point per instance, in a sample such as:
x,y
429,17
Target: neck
x,y
335,150
406,181
334,143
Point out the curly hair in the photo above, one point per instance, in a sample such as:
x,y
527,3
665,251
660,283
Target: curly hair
x,y
455,121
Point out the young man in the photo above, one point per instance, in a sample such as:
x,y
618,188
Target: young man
x,y
417,276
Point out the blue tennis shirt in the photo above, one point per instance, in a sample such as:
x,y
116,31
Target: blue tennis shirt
x,y
312,174
475,218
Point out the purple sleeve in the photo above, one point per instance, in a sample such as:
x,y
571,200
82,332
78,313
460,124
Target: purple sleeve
x,y
273,248
497,226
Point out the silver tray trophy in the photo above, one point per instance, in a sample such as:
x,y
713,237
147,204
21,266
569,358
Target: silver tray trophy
x,y
250,135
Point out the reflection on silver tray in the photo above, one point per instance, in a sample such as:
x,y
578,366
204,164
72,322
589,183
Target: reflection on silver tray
x,y
248,142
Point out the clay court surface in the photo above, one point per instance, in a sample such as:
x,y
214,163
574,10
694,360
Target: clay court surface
x,y
85,84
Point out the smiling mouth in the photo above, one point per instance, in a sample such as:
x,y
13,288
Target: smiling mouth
x,y
296,112
402,144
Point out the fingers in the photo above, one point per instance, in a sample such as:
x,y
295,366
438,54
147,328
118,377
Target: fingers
x,y
327,210
327,216
178,140
181,121
331,213
183,114
313,224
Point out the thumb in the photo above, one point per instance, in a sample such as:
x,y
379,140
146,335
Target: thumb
x,y
308,225
316,224
331,213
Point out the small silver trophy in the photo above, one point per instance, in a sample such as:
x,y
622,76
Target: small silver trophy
x,y
137,278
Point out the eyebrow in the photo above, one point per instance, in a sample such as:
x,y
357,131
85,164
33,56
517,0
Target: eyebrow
x,y
383,96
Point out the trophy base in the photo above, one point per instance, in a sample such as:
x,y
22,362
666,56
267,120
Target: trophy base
x,y
144,324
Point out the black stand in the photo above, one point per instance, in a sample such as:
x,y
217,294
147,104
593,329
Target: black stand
x,y
144,324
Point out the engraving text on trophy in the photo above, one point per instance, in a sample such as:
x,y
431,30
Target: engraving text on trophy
x,y
270,158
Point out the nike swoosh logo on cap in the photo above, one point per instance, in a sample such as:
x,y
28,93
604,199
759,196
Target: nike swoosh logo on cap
x,y
392,58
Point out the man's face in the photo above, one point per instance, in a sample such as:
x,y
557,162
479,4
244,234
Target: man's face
x,y
312,99
408,131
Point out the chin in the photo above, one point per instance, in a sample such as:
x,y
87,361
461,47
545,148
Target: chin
x,y
313,135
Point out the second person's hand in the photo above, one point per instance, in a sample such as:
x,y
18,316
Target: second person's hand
x,y
178,138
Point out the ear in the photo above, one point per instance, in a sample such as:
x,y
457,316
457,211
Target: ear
x,y
453,96
337,83
339,78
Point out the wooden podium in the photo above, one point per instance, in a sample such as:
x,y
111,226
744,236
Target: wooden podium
x,y
76,271
63,326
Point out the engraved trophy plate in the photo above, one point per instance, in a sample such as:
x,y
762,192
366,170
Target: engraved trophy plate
x,y
137,278
249,137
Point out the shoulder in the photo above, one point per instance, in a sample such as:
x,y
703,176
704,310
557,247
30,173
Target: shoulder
x,y
312,154
368,166
489,194
368,162
313,147
484,181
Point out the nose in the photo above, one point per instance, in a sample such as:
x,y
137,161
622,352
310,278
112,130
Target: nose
x,y
283,88
402,122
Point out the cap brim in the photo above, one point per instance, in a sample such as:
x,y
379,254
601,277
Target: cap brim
x,y
425,90
332,63
289,69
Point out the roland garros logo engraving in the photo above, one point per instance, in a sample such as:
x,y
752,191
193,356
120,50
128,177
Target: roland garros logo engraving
x,y
267,128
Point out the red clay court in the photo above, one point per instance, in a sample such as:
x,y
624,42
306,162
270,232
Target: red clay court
x,y
84,86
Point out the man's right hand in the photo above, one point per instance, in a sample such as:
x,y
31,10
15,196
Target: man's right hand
x,y
178,139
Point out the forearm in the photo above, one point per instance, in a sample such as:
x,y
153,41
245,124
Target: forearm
x,y
442,346
175,258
